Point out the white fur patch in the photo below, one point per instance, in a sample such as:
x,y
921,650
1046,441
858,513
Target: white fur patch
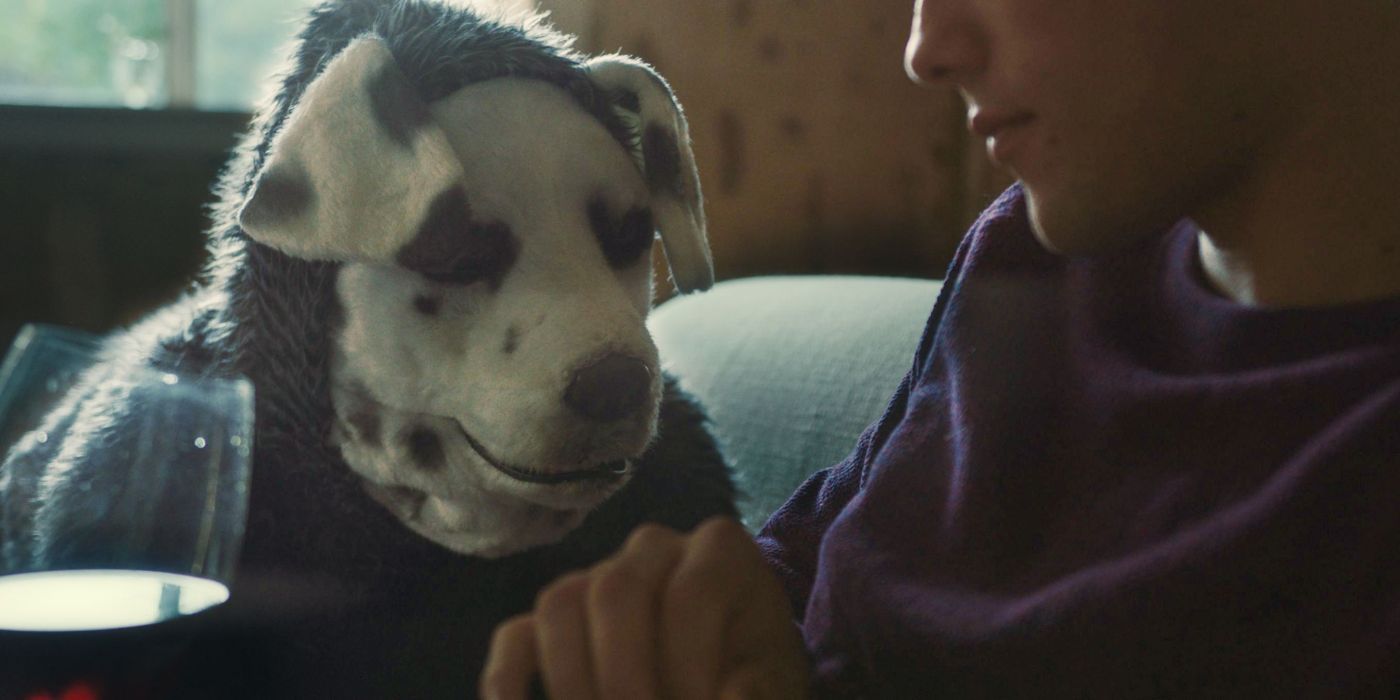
x,y
367,190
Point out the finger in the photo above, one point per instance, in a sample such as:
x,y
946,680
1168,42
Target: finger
x,y
512,661
624,604
707,590
565,655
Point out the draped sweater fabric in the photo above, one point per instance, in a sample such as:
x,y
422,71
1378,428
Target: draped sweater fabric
x,y
1102,479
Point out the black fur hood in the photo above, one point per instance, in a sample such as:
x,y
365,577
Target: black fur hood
x,y
270,316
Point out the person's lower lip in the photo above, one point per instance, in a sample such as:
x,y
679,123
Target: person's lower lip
x,y
1002,145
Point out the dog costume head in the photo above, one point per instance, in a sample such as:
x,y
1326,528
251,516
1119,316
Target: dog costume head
x,y
491,377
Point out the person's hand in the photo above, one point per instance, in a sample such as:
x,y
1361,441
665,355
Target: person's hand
x,y
683,617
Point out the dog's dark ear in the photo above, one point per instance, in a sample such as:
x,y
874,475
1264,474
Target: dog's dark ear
x,y
356,166
661,149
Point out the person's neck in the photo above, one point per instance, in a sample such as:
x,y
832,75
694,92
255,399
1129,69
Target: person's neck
x,y
1317,223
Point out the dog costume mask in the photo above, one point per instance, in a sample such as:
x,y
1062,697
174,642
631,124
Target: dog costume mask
x,y
493,379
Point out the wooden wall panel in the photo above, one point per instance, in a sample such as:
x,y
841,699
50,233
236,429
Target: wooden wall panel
x,y
816,152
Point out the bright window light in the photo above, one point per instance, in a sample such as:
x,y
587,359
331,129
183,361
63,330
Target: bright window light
x,y
207,54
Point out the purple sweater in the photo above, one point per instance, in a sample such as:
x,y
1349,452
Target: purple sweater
x,y
1100,479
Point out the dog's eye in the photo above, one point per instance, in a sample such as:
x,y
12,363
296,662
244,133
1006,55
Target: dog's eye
x,y
454,248
459,272
485,253
623,241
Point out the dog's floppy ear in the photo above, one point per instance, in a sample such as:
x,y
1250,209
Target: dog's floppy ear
x,y
661,149
353,172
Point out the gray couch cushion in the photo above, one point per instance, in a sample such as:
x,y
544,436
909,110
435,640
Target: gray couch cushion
x,y
792,369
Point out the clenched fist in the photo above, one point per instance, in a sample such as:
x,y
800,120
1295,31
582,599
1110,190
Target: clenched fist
x,y
682,617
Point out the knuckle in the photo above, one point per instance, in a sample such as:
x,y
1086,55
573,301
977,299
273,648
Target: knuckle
x,y
702,585
649,536
561,595
724,543
721,532
512,630
713,578
614,584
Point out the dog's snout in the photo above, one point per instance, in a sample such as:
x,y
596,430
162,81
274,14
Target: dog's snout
x,y
610,388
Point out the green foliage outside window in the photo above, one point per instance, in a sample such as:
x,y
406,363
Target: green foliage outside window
x,y
116,52
239,44
63,50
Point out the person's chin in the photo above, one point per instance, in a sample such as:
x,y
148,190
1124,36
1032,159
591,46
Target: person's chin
x,y
1052,226
1066,227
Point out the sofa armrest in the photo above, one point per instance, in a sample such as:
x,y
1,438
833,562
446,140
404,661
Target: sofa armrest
x,y
791,369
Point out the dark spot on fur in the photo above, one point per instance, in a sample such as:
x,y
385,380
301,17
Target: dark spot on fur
x,y
628,100
635,236
397,108
451,248
426,448
426,305
623,241
365,420
281,194
732,156
512,340
663,160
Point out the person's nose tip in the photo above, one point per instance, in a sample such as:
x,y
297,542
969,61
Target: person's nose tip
x,y
926,72
944,46
928,63
918,64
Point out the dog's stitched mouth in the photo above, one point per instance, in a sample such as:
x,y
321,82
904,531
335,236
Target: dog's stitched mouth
x,y
606,472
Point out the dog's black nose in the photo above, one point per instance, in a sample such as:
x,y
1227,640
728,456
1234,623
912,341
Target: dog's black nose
x,y
612,387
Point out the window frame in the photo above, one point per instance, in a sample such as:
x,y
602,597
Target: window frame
x,y
119,131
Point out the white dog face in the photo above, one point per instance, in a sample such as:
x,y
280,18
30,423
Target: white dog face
x,y
492,377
